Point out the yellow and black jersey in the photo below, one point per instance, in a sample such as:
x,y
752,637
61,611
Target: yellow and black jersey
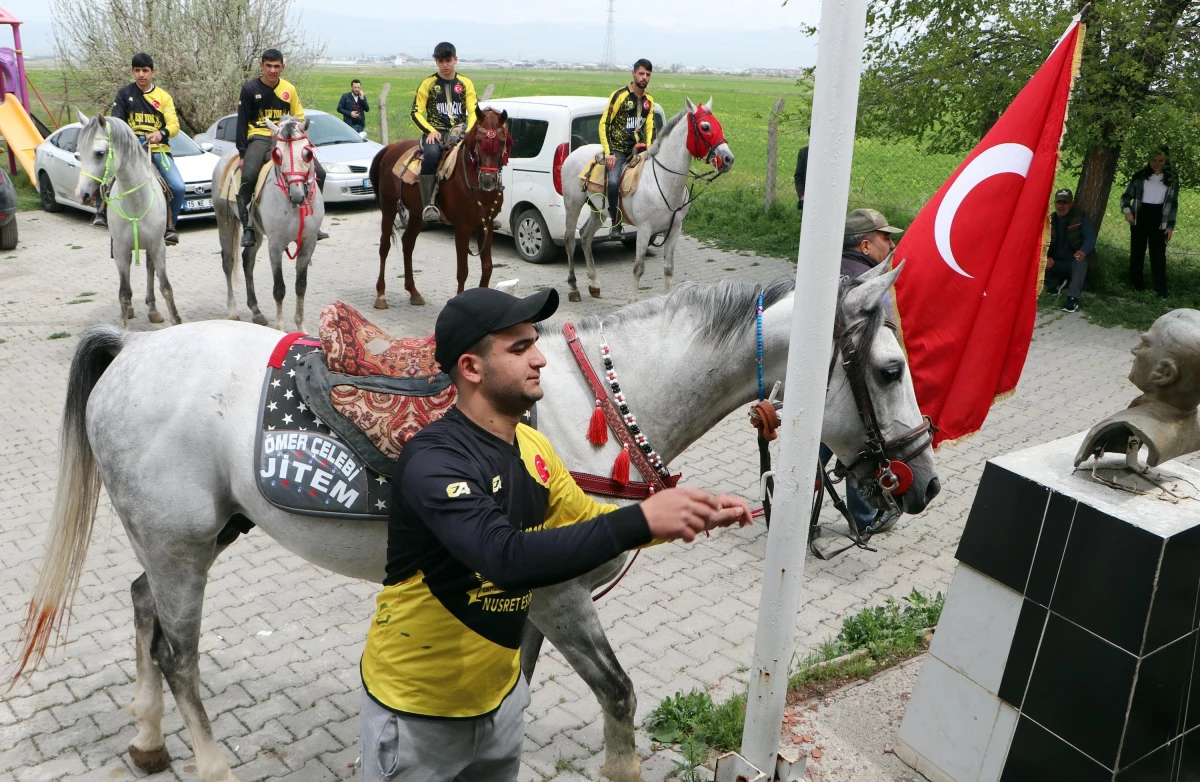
x,y
628,120
147,112
476,523
440,104
259,103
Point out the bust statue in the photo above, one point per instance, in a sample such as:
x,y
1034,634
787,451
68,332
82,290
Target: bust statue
x,y
1166,369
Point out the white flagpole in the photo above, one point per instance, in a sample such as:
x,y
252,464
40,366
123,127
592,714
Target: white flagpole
x,y
831,149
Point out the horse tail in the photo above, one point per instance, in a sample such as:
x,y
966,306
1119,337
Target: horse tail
x,y
373,174
74,503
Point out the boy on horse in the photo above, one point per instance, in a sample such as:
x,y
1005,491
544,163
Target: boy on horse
x,y
444,101
150,113
269,97
626,127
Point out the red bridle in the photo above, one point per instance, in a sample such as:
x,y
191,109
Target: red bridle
x,y
487,142
703,143
286,177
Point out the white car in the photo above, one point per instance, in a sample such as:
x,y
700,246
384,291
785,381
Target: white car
x,y
545,130
57,172
345,155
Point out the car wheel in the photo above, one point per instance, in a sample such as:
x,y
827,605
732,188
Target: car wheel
x,y
630,242
46,191
531,237
8,234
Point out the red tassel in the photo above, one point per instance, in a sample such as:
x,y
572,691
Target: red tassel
x,y
597,433
620,472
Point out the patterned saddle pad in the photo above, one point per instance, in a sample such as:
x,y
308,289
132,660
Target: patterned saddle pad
x,y
595,177
231,180
408,166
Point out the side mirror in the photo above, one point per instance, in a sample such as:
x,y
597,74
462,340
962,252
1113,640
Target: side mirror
x,y
206,146
362,134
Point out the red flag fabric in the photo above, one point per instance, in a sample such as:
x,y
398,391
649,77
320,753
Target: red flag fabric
x,y
973,256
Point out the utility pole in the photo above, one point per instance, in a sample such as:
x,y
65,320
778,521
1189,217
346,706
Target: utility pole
x,y
610,38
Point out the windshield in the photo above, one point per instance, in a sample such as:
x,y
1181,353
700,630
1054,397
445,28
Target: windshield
x,y
183,146
325,129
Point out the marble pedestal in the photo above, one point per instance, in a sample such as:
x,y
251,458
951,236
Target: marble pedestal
x,y
1067,648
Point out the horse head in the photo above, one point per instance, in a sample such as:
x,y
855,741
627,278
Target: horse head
x,y
93,151
706,138
294,155
488,143
872,421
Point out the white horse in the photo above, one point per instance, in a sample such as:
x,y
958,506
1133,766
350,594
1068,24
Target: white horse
x,y
662,199
176,481
116,167
291,209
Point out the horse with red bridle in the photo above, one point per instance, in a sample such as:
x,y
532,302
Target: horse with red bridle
x,y
469,198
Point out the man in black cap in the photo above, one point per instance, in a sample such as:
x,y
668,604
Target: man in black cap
x,y
483,512
1072,240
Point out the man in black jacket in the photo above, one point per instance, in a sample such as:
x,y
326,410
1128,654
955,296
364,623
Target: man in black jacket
x,y
1072,240
800,175
354,107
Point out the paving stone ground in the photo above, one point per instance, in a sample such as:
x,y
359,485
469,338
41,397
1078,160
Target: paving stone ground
x,y
282,638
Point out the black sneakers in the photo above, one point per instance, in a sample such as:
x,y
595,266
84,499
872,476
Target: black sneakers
x,y
1072,305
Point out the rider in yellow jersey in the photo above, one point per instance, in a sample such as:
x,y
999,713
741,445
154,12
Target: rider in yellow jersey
x,y
150,113
626,127
444,100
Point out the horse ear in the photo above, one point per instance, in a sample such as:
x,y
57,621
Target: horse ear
x,y
873,288
271,126
690,106
100,119
83,120
709,104
306,121
478,114
504,117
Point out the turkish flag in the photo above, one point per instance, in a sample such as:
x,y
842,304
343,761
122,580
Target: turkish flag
x,y
973,256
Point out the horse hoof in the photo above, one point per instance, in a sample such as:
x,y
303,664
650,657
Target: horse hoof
x,y
574,296
260,320
417,300
235,317
151,761
129,314
595,291
155,317
380,303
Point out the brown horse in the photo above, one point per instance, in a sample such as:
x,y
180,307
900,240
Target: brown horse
x,y
469,199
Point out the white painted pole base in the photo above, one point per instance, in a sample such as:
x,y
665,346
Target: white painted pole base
x,y
732,767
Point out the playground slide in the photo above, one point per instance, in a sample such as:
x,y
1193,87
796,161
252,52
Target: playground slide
x,y
20,134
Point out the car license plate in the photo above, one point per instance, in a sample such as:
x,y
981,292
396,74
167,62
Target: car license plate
x,y
197,204
367,184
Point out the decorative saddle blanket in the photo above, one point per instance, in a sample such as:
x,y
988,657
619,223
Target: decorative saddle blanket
x,y
408,166
594,178
231,180
337,412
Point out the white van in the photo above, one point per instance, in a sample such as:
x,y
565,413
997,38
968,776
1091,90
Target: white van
x,y
545,130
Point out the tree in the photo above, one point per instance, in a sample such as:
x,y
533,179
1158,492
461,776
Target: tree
x,y
203,50
942,71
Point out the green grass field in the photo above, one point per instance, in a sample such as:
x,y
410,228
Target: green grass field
x,y
895,177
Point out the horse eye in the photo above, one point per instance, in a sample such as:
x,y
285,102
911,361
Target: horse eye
x,y
705,127
307,154
98,153
892,373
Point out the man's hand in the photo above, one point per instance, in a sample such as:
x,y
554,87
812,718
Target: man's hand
x,y
610,161
434,137
354,114
1079,255
684,512
155,138
1170,233
1129,217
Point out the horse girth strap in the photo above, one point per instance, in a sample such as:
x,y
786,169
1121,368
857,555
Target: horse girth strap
x,y
655,482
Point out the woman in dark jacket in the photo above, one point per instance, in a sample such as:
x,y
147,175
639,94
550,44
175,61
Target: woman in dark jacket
x,y
1150,205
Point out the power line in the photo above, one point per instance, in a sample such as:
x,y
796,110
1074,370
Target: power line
x,y
610,38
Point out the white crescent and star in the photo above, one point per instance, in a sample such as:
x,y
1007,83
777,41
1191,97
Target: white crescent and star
x,y
1001,159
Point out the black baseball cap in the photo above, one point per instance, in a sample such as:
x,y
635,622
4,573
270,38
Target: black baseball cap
x,y
473,314
1063,195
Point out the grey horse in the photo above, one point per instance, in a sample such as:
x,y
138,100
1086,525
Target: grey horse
x,y
686,360
289,210
115,166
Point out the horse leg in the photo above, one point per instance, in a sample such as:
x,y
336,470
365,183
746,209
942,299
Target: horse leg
x,y
407,242
668,255
567,615
164,285
462,243
152,313
279,289
148,750
302,284
124,259
227,266
483,236
386,228
248,256
589,233
571,221
639,263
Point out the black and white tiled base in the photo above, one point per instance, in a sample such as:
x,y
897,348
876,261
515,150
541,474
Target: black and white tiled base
x,y
1067,647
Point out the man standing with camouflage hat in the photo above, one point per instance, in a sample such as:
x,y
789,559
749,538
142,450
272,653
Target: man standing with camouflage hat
x,y
868,242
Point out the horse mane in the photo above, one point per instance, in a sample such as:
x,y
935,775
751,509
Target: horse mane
x,y
723,311
667,127
124,142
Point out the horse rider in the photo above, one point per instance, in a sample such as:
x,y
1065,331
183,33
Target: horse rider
x,y
269,97
484,512
150,113
626,127
444,101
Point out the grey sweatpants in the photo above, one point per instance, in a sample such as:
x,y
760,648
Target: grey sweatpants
x,y
398,748
1072,272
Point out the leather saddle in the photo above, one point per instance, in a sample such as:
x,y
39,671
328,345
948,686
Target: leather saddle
x,y
374,391
594,178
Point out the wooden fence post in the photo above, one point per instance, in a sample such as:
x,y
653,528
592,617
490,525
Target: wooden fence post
x,y
487,92
772,154
383,128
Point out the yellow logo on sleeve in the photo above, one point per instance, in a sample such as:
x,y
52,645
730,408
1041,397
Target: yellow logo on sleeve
x,y
496,485
459,489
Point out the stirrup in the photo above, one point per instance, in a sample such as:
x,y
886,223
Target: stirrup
x,y
431,214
